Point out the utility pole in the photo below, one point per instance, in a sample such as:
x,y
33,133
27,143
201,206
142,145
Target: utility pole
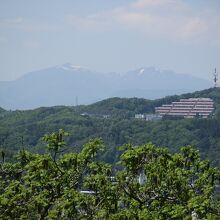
x,y
76,104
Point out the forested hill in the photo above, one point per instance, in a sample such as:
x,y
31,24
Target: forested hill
x,y
113,121
2,110
139,105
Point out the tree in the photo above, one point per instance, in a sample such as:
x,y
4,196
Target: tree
x,y
149,183
174,185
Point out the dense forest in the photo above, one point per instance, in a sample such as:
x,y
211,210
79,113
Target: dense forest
x,y
113,121
148,182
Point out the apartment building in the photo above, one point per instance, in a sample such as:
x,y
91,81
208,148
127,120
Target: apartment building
x,y
188,108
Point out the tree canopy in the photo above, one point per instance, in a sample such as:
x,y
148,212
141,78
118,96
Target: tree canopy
x,y
148,182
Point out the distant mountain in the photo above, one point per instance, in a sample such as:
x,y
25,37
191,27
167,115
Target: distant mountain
x,y
71,85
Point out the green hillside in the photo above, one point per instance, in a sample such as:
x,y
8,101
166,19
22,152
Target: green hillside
x,y
113,121
138,105
2,110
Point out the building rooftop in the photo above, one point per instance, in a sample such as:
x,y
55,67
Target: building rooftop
x,y
188,108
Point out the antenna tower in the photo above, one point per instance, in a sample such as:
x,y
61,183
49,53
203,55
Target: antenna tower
x,y
215,74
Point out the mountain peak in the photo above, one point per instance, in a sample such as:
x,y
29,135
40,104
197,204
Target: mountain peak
x,y
59,85
141,71
70,67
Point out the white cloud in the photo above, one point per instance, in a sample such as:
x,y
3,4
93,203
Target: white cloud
x,y
153,3
169,19
193,27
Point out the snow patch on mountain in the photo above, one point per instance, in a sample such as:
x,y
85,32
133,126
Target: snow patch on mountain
x,y
59,85
141,72
70,67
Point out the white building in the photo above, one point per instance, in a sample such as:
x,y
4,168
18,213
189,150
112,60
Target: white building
x,y
148,117
139,116
188,108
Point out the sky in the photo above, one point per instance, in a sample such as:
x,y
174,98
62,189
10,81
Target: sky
x,y
110,36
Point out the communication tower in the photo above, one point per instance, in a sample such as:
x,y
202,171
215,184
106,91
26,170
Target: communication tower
x,y
215,74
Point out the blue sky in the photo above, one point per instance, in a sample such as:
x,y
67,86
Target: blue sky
x,y
106,36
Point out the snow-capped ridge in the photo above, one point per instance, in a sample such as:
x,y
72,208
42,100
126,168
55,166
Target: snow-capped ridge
x,y
141,71
58,85
71,67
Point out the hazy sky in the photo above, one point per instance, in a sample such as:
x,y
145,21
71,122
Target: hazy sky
x,y
110,35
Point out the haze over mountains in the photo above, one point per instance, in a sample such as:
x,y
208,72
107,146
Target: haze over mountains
x,y
71,85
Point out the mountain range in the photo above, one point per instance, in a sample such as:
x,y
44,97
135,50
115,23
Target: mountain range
x,y
72,85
